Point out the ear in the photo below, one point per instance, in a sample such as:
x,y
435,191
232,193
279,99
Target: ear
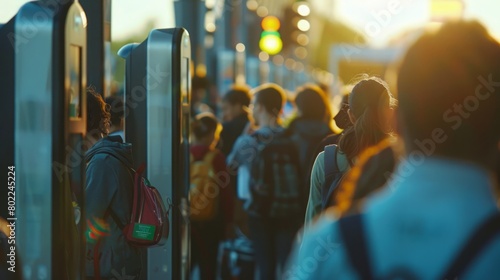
x,y
240,108
257,107
245,109
352,118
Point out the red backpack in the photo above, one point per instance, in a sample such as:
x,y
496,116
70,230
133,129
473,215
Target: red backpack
x,y
149,223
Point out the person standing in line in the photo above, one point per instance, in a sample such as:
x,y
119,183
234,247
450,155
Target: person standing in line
x,y
235,115
109,193
211,210
271,237
371,111
438,216
309,128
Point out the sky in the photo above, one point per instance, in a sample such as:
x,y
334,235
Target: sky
x,y
379,23
127,16
367,16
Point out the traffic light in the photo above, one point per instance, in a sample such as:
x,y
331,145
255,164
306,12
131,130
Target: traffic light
x,y
270,38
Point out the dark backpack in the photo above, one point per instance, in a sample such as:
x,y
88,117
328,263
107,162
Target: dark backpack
x,y
333,176
276,179
351,230
306,146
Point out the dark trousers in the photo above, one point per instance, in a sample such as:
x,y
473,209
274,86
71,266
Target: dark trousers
x,y
272,240
205,238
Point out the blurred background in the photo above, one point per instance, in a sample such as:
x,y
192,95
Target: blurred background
x,y
289,42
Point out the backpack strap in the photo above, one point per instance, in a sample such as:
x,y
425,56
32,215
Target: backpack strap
x,y
476,243
115,218
330,168
330,160
352,233
110,211
120,160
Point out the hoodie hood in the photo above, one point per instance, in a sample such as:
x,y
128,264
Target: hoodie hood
x,y
114,146
310,128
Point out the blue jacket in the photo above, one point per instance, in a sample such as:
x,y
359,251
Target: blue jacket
x,y
110,188
418,223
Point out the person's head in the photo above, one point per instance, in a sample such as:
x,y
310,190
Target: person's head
x,y
268,100
199,87
206,129
98,116
370,110
312,104
235,102
117,112
342,118
449,93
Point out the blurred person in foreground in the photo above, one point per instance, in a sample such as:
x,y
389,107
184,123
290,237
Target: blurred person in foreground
x,y
438,216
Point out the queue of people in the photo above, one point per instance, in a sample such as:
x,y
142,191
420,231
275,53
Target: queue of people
x,y
408,190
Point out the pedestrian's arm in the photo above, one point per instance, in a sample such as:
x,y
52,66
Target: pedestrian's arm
x,y
100,189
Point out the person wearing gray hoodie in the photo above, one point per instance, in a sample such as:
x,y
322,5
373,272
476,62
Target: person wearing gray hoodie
x,y
109,195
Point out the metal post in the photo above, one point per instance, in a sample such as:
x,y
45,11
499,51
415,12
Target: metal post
x,y
99,34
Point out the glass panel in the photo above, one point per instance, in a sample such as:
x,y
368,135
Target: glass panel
x,y
33,154
33,144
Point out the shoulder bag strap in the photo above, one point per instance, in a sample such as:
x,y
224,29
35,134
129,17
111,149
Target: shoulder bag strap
x,y
476,243
330,168
110,211
352,233
330,159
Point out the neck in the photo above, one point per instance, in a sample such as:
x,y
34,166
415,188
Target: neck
x,y
202,142
242,113
269,121
93,138
114,128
